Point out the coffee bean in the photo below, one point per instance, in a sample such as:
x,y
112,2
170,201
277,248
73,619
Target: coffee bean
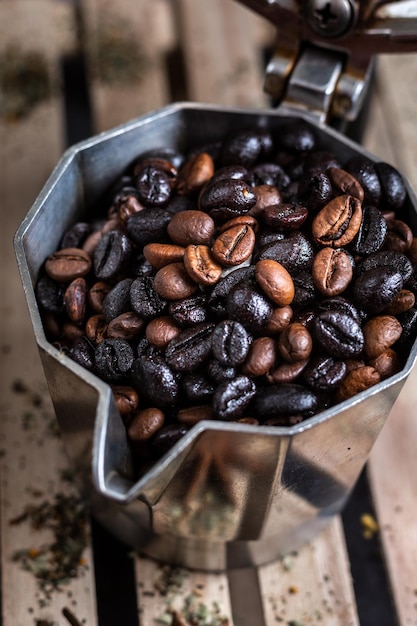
x,y
148,226
96,328
97,294
246,304
220,373
234,245
380,332
324,373
387,363
356,381
295,343
231,398
126,326
197,388
195,172
155,380
339,334
145,299
217,301
295,252
82,352
338,222
230,342
68,263
332,271
315,190
283,399
190,348
145,423
365,173
372,232
392,186
286,372
153,185
285,217
244,147
399,236
191,227
344,183
193,414
227,198
161,254
166,437
117,301
50,295
280,318
275,281
126,398
76,235
202,265
377,288
113,359
160,331
297,137
261,357
172,282
268,174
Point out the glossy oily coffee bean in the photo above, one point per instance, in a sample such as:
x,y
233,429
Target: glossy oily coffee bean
x,y
332,271
155,380
217,300
189,311
111,255
295,252
285,217
190,348
338,334
113,359
392,186
117,301
283,399
126,326
297,137
220,373
338,222
82,352
268,174
387,259
145,299
372,232
68,263
50,295
244,147
343,183
376,288
76,235
315,190
197,387
231,398
153,185
230,342
324,373
365,173
75,299
148,226
247,305
225,199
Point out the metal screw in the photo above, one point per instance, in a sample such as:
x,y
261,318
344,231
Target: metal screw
x,y
329,18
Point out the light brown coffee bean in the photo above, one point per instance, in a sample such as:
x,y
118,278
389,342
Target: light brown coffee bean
x,y
387,363
234,245
338,222
380,333
356,381
201,265
195,173
399,236
240,220
67,264
96,328
97,294
295,343
160,254
193,414
75,300
344,183
126,398
266,195
275,281
174,283
145,423
191,227
403,301
280,318
286,372
161,330
125,326
261,357
332,271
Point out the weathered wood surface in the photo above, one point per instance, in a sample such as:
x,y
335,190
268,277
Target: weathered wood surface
x,y
222,46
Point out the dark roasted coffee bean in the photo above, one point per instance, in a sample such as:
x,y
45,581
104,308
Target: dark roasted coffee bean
x,y
117,301
144,298
190,348
268,174
234,245
283,399
341,304
173,282
266,196
175,157
376,288
295,343
387,258
365,173
315,191
219,373
158,163
246,304
113,359
227,198
324,373
76,235
339,334
82,352
320,161
285,217
218,296
227,172
197,388
67,264
166,437
392,184
403,301
230,342
305,293
191,227
372,232
231,398
154,186
50,295
126,399
408,321
145,423
297,137
75,299
294,252
338,222
260,358
155,380
148,226
275,281
189,311
202,265
111,255
244,147
127,205
332,271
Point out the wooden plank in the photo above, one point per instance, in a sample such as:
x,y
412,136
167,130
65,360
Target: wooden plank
x,y
222,53
125,44
312,586
393,463
32,35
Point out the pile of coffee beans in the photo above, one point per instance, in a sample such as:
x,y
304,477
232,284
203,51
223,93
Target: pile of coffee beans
x,y
257,279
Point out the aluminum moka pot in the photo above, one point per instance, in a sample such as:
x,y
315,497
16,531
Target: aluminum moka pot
x,y
227,494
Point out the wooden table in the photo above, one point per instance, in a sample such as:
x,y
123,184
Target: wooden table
x,y
79,68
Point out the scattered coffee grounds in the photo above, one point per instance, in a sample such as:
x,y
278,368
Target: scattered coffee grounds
x,y
258,280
